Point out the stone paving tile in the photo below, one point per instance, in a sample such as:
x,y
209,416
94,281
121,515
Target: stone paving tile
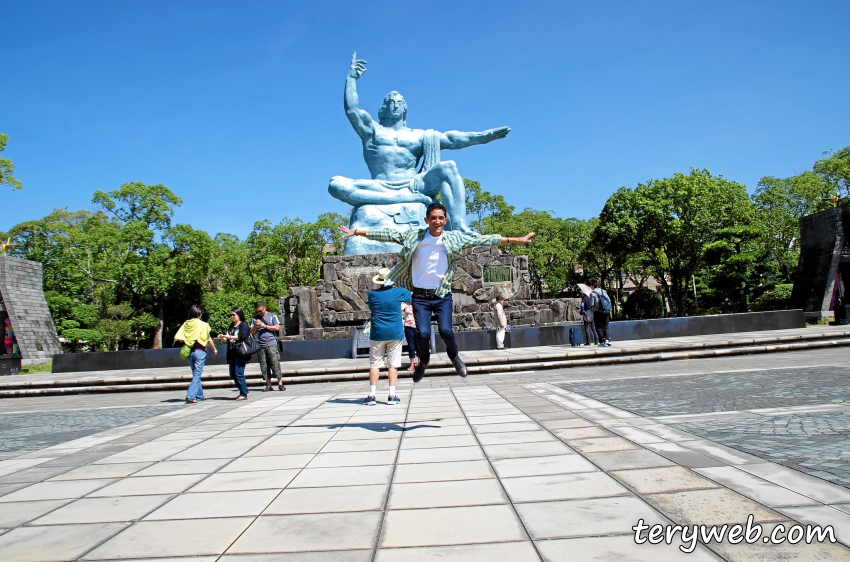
x,y
145,485
446,494
451,525
336,556
17,513
103,510
55,542
541,466
710,507
160,539
441,454
328,500
56,490
309,532
443,471
344,476
582,518
662,479
92,471
586,549
513,551
257,480
215,504
562,487
625,460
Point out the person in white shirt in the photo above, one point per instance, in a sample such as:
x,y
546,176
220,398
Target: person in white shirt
x,y
501,322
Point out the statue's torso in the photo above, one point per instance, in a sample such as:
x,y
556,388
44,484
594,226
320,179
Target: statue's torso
x,y
391,154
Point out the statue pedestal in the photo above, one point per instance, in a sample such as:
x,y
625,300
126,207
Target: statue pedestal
x,y
338,302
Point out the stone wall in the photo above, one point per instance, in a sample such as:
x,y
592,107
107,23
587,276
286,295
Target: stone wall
x,y
23,297
823,251
337,304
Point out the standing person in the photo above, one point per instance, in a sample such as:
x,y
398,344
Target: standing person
x,y
601,306
386,335
264,328
236,334
586,308
409,332
196,334
426,266
501,322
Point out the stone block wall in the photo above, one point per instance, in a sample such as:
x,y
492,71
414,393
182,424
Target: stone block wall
x,y
337,304
23,297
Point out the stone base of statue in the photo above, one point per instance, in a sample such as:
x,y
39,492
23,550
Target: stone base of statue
x,y
337,304
399,216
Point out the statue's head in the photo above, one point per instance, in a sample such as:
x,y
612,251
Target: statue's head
x,y
393,108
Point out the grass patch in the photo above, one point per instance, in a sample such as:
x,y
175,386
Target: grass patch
x,y
40,368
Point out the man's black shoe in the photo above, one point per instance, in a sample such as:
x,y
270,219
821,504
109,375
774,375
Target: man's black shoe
x,y
460,366
419,372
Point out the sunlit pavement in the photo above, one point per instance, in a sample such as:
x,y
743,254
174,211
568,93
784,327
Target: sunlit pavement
x,y
551,465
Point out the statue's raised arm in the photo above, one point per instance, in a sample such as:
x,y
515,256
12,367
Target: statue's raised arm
x,y
360,120
454,140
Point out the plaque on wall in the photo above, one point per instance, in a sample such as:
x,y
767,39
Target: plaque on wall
x,y
498,274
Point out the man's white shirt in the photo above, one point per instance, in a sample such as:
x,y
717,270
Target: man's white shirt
x,y
430,262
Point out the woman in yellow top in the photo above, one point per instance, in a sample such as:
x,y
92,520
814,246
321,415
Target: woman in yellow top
x,y
196,334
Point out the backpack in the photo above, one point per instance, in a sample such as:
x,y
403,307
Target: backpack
x,y
604,301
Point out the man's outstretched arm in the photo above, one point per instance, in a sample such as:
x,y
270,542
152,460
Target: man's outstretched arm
x,y
472,240
379,235
453,140
360,120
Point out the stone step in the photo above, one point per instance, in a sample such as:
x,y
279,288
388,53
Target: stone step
x,y
570,357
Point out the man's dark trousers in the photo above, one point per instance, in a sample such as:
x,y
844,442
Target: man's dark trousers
x,y
423,307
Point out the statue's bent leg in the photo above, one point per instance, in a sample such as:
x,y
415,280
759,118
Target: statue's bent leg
x,y
446,176
371,192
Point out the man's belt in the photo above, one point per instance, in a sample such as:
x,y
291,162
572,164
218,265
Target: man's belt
x,y
425,292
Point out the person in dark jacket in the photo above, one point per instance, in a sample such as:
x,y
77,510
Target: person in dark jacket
x,y
586,309
236,334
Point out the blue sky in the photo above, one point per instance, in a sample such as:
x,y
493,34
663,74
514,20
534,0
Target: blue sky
x,y
237,106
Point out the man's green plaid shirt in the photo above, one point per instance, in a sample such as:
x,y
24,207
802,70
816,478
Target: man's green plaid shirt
x,y
454,242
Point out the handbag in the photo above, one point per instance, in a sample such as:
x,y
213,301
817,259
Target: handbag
x,y
588,316
247,347
185,351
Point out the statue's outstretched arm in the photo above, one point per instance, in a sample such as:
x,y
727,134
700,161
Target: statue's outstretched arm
x,y
360,120
453,140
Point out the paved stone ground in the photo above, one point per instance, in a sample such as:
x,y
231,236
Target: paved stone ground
x,y
37,430
488,468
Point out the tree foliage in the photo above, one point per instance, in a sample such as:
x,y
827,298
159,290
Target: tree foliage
x,y
6,167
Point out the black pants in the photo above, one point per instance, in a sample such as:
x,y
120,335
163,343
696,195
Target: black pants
x,y
423,307
601,320
410,336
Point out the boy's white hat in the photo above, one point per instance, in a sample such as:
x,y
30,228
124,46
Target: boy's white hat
x,y
381,277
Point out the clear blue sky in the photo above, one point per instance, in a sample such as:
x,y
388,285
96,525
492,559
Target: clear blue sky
x,y
237,106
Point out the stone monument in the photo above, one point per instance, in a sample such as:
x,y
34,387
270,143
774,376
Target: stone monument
x,y
405,167
22,302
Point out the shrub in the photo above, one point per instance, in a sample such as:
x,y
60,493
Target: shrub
x,y
642,304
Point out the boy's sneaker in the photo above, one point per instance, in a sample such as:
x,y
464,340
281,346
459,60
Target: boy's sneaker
x,y
370,401
602,344
393,400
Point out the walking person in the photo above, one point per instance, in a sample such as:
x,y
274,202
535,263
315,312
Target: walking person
x,y
265,328
601,306
501,322
236,334
386,335
586,309
427,260
409,332
195,333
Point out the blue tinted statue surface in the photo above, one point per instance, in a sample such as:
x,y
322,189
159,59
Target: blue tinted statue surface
x,y
405,167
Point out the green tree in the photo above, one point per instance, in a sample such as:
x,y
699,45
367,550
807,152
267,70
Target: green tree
x,y
481,205
737,258
6,167
834,169
670,220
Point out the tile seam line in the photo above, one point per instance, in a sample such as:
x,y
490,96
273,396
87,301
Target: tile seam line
x,y
385,507
131,524
728,465
254,519
490,464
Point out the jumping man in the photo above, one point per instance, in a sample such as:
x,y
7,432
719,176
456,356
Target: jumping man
x,y
428,257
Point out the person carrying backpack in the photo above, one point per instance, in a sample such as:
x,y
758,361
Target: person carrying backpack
x,y
601,306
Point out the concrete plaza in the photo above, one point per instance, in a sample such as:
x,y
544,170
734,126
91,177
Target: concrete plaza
x,y
538,465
